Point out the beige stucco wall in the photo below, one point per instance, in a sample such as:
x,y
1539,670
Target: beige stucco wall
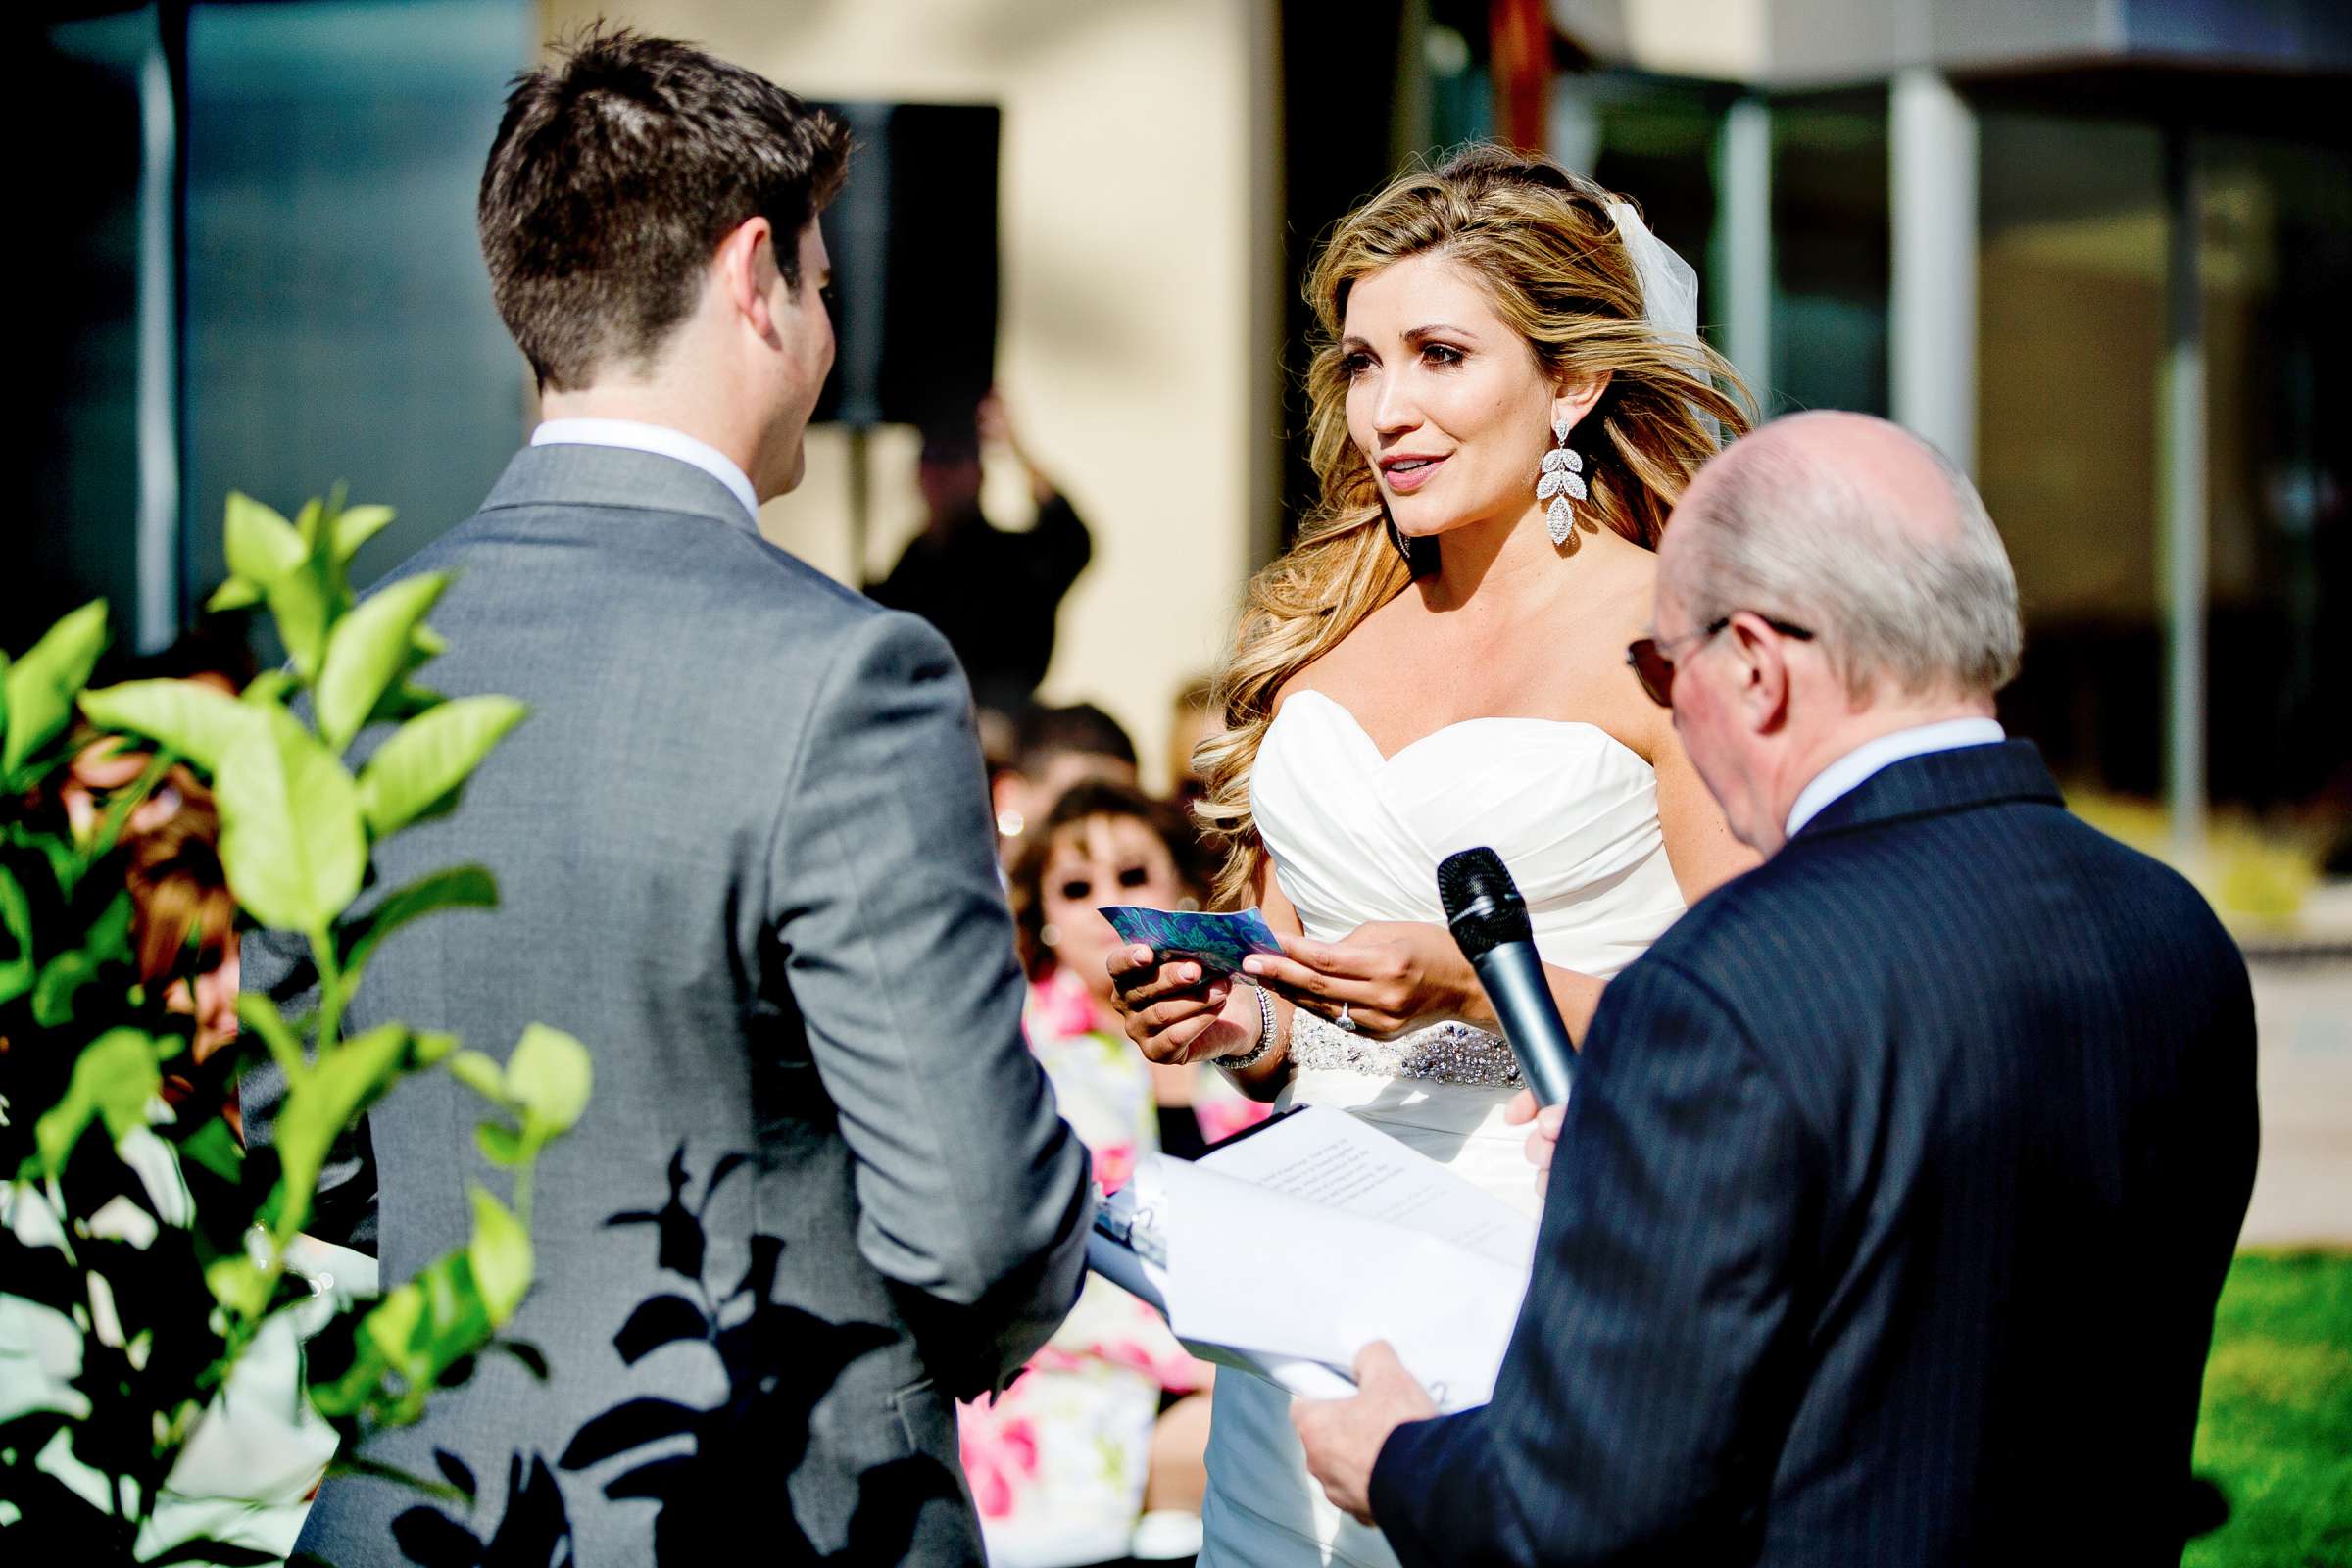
x,y
1135,220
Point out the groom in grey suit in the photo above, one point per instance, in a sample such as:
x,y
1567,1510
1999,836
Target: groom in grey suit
x,y
741,844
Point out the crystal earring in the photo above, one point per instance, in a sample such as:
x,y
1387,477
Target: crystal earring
x,y
1562,479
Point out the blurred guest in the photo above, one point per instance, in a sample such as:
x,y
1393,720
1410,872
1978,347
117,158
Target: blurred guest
x,y
1054,750
184,936
1195,719
1106,1424
183,932
992,593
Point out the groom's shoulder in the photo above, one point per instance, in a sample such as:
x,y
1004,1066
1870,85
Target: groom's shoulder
x,y
726,567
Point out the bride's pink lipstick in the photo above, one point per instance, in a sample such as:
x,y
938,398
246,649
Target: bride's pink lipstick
x,y
1408,472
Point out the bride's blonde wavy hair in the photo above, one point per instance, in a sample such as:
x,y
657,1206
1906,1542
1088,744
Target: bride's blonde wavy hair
x,y
1544,247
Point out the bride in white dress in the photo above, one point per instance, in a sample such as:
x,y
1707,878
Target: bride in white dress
x,y
1506,401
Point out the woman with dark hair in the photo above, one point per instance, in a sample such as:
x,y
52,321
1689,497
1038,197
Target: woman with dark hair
x,y
1094,1452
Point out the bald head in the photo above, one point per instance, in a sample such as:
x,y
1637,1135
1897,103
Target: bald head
x,y
1857,529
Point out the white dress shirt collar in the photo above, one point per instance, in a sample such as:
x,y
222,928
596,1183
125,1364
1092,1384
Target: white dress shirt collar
x,y
1847,772
639,436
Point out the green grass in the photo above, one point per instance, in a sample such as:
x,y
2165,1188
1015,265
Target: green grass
x,y
2276,1432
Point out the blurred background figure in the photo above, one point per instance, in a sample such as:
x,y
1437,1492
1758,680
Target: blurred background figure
x,y
1192,719
992,593
1051,750
183,931
1093,1453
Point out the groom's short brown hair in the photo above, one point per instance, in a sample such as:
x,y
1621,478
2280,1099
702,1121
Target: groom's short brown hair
x,y
617,170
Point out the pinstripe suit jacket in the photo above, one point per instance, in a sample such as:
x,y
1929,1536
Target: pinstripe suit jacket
x,y
1888,1214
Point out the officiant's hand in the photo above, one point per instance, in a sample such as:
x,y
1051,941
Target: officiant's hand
x,y
1390,977
1177,1014
1343,1438
1544,1137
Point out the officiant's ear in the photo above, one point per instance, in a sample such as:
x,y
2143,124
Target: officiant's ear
x,y
1761,668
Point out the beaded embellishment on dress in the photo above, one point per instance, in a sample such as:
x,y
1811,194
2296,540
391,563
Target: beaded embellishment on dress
x,y
1443,1052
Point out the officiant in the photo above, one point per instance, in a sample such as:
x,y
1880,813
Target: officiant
x,y
1901,1174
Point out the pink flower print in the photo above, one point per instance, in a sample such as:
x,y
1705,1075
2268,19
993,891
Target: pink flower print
x,y
1113,1165
1059,1007
1221,1119
997,1455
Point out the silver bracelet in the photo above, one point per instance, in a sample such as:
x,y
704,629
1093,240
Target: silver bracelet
x,y
1265,1037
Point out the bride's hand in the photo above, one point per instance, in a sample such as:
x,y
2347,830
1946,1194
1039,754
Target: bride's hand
x,y
1390,977
1176,1013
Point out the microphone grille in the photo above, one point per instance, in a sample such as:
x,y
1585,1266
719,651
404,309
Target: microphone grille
x,y
1482,906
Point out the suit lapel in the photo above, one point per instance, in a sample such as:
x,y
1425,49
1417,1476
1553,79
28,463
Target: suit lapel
x,y
1940,782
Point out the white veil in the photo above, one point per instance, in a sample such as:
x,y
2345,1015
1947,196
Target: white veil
x,y
1669,285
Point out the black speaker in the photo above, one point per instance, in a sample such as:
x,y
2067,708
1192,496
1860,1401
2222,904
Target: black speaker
x,y
914,242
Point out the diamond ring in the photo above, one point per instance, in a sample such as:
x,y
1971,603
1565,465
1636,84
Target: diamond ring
x,y
1342,1022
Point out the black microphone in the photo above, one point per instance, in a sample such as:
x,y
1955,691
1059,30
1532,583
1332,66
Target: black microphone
x,y
1489,924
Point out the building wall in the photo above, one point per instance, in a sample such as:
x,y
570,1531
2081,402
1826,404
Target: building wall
x,y
1134,212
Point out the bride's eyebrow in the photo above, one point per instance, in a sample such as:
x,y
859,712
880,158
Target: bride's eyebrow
x,y
1422,334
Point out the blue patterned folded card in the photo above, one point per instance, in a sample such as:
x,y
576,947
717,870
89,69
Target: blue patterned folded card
x,y
1220,942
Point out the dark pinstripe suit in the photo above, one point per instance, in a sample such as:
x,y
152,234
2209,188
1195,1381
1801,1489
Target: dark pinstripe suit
x,y
1888,1215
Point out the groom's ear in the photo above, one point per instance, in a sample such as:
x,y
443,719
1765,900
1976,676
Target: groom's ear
x,y
743,269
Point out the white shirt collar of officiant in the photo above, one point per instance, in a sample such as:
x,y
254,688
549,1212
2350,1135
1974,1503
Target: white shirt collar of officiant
x,y
639,436
1846,775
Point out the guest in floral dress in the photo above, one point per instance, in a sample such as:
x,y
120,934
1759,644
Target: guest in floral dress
x,y
1104,1428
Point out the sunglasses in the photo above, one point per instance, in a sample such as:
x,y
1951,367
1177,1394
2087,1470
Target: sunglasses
x,y
1653,666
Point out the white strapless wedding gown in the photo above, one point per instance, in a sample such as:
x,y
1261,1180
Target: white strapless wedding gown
x,y
1356,837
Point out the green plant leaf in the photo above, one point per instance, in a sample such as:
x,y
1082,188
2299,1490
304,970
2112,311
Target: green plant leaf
x,y
481,1074
302,606
106,941
260,1014
40,686
262,546
461,887
430,756
114,1079
270,686
199,722
356,525
501,1256
213,1147
344,1081
392,1325
237,1285
63,859
16,970
500,1146
234,593
367,651
549,1073
291,840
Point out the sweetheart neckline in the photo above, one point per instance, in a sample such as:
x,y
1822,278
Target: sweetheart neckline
x,y
1386,758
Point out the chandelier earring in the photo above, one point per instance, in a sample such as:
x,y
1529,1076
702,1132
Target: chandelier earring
x,y
1563,480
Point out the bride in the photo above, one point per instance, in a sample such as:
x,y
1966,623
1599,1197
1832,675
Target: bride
x,y
1506,400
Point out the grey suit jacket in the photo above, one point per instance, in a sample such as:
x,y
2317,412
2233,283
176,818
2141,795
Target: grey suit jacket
x,y
743,854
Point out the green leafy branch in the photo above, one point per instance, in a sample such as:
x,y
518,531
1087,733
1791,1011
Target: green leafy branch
x,y
299,829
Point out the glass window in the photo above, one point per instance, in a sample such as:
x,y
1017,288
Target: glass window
x,y
82,334
339,324
2070,307
2277,229
1830,251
